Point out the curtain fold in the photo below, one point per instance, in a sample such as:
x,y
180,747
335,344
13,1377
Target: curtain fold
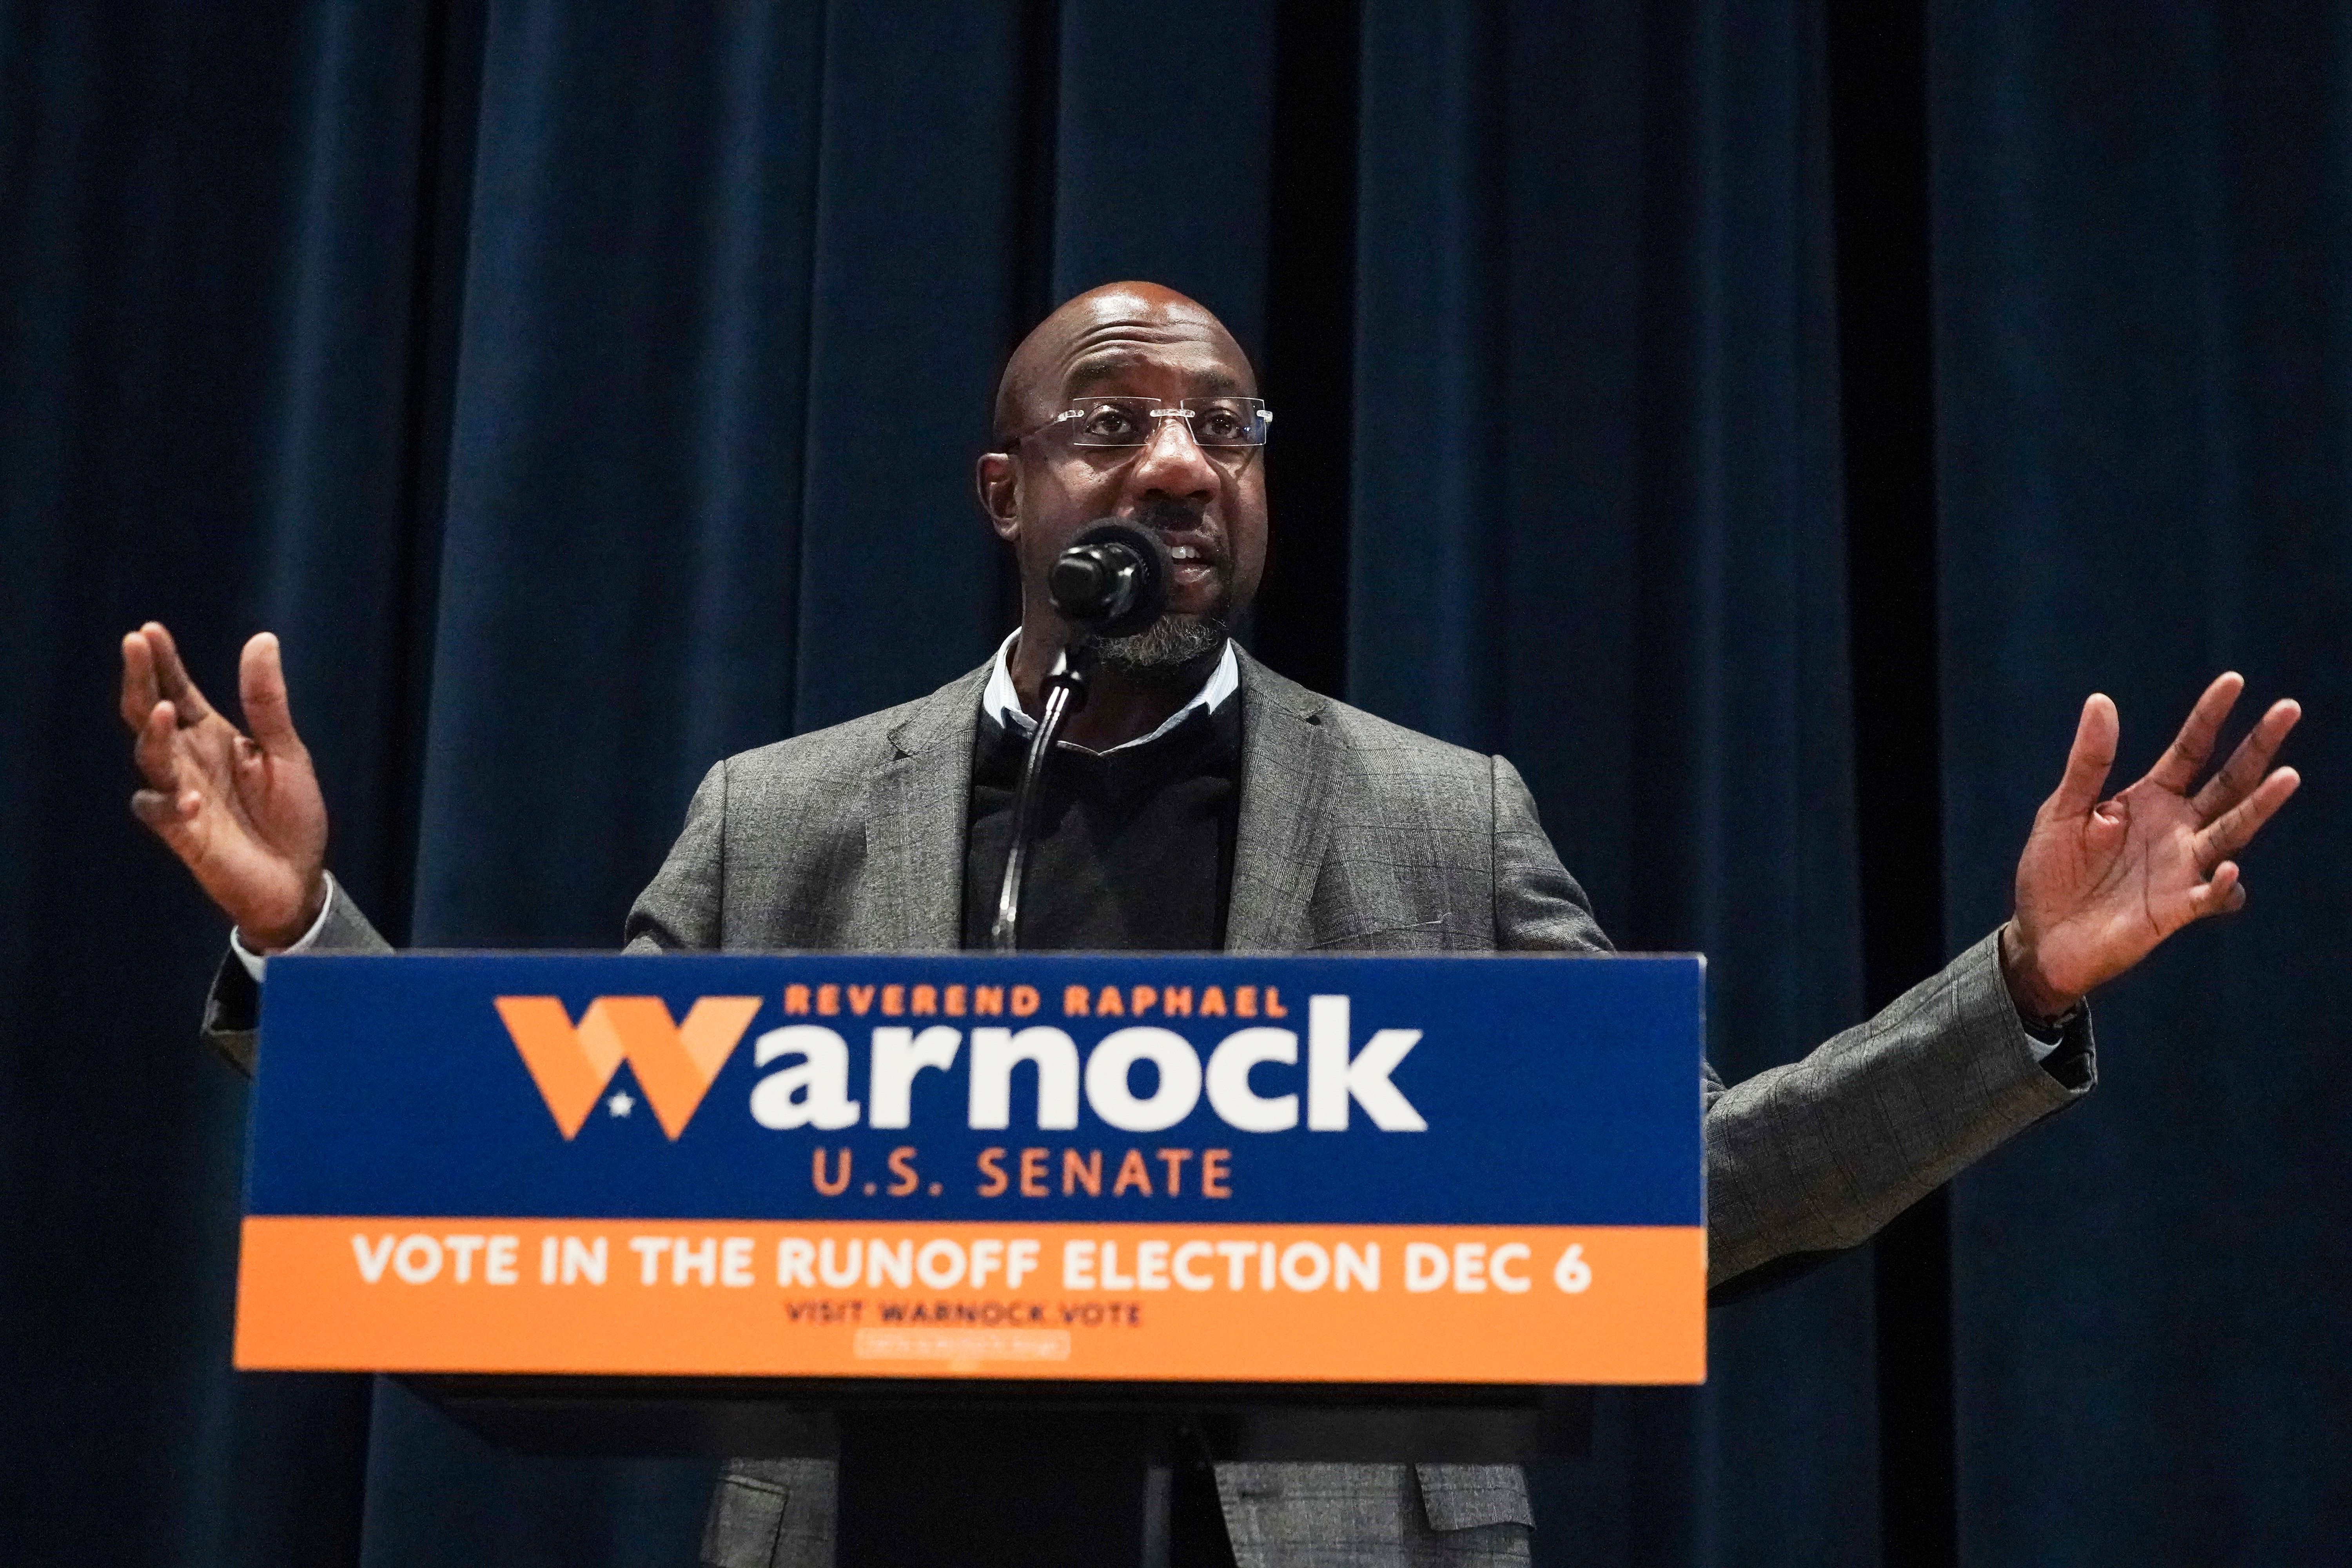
x,y
1161,155
2142,300
205,244
1597,529
623,484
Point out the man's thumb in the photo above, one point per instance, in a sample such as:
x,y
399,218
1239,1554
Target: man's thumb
x,y
261,691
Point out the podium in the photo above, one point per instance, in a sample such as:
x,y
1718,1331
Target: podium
x,y
1011,1236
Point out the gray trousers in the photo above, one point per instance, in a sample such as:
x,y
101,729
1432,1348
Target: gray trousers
x,y
778,1513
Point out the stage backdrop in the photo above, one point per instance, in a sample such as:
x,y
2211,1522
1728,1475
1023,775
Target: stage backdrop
x,y
584,393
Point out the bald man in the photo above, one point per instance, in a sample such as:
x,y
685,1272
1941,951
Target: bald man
x,y
1205,802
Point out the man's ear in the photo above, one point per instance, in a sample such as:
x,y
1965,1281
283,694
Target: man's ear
x,y
996,481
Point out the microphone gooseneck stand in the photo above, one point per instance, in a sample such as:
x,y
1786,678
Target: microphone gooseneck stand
x,y
1110,582
1084,1487
1065,693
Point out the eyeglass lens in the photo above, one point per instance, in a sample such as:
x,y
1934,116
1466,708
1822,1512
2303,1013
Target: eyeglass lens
x,y
1133,421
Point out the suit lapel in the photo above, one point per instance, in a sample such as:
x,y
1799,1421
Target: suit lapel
x,y
1286,760
915,833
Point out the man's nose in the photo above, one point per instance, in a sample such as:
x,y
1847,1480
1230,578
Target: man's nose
x,y
1172,462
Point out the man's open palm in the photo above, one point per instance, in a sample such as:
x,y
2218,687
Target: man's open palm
x,y
242,811
2102,881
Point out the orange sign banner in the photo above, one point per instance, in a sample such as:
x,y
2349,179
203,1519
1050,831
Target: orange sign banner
x,y
1520,1304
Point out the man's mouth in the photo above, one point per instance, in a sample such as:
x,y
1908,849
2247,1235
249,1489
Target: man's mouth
x,y
1190,565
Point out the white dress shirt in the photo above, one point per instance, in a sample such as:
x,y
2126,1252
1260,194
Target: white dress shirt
x,y
1001,701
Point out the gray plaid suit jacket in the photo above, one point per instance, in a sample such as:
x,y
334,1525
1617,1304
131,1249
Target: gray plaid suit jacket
x,y
1354,834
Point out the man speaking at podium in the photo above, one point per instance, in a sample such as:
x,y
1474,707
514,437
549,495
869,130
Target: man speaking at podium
x,y
1201,801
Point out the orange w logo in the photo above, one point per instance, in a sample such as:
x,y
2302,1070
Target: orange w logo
x,y
675,1063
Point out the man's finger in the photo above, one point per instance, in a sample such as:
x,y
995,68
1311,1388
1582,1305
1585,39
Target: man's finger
x,y
172,799
139,693
154,807
2250,762
2193,747
2234,828
162,810
2220,895
156,753
261,691
172,675
2088,761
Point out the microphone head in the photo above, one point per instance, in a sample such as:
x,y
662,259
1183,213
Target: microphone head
x,y
1112,581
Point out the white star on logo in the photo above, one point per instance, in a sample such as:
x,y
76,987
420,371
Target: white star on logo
x,y
620,1104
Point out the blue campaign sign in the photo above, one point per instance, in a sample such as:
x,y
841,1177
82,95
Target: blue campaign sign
x,y
1547,1090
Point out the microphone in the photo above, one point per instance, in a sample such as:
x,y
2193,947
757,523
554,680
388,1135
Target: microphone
x,y
1112,581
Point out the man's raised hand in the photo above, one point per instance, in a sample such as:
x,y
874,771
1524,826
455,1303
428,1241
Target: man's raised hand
x,y
2102,881
243,812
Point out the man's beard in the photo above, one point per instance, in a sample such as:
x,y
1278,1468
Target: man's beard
x,y
1175,649
1166,651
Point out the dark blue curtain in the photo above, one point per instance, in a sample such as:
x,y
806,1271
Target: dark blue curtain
x,y
1597,530
586,392
2145,280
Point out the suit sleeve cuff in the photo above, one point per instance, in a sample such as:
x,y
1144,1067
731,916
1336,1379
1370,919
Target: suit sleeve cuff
x,y
2064,1049
256,965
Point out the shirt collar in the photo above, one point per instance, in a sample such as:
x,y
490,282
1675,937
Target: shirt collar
x,y
1001,701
